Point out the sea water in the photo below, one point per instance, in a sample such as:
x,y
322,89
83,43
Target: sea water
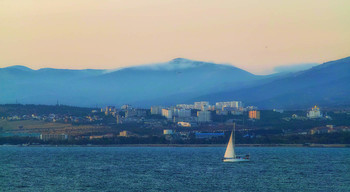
x,y
173,169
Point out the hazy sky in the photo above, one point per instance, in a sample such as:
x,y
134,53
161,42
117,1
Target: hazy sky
x,y
255,35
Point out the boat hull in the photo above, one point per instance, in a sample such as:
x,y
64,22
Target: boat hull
x,y
236,160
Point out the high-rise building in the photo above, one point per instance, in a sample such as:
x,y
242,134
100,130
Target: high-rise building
x,y
156,110
204,116
182,112
168,113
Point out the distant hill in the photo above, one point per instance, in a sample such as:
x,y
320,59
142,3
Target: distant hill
x,y
179,79
327,84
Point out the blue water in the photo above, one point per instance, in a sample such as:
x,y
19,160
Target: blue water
x,y
172,169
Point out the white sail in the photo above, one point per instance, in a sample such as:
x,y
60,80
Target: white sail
x,y
230,150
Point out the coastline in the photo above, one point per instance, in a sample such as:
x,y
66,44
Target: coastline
x,y
195,145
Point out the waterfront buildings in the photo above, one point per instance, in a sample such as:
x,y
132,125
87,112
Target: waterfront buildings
x,y
46,137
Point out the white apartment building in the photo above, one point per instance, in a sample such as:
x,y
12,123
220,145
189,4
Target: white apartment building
x,y
204,116
185,106
199,105
235,104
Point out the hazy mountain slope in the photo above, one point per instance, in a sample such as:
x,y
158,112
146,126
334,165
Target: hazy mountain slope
x,y
177,81
129,85
43,86
158,82
326,84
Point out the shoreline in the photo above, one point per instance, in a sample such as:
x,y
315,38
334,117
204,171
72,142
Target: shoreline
x,y
195,145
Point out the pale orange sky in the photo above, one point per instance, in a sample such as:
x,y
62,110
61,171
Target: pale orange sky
x,y
254,35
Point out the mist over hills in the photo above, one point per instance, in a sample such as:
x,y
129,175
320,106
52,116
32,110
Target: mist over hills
x,y
177,81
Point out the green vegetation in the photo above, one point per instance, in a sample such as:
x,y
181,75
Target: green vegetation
x,y
19,109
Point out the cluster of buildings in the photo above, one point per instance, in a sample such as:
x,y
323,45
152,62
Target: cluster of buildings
x,y
329,129
130,114
199,112
314,113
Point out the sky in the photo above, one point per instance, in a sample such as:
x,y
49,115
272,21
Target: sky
x,y
253,35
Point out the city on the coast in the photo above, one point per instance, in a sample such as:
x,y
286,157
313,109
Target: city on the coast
x,y
196,123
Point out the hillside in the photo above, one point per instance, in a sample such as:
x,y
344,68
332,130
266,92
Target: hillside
x,y
326,84
133,85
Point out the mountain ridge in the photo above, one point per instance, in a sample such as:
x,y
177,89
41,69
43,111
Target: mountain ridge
x,y
177,81
127,85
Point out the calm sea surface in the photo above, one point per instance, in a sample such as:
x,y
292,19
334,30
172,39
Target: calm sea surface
x,y
172,169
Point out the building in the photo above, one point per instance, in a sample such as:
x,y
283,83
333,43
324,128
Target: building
x,y
185,106
184,124
208,135
126,106
314,113
124,134
251,108
46,137
167,113
278,110
130,113
199,105
156,110
182,112
254,114
203,116
329,129
168,132
236,112
206,107
234,104
109,109
221,112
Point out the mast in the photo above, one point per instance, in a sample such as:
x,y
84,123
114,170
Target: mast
x,y
234,133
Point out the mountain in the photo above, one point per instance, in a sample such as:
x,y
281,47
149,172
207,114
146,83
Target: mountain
x,y
161,83
178,81
326,84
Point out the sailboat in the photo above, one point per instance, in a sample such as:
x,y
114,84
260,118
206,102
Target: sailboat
x,y
230,155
